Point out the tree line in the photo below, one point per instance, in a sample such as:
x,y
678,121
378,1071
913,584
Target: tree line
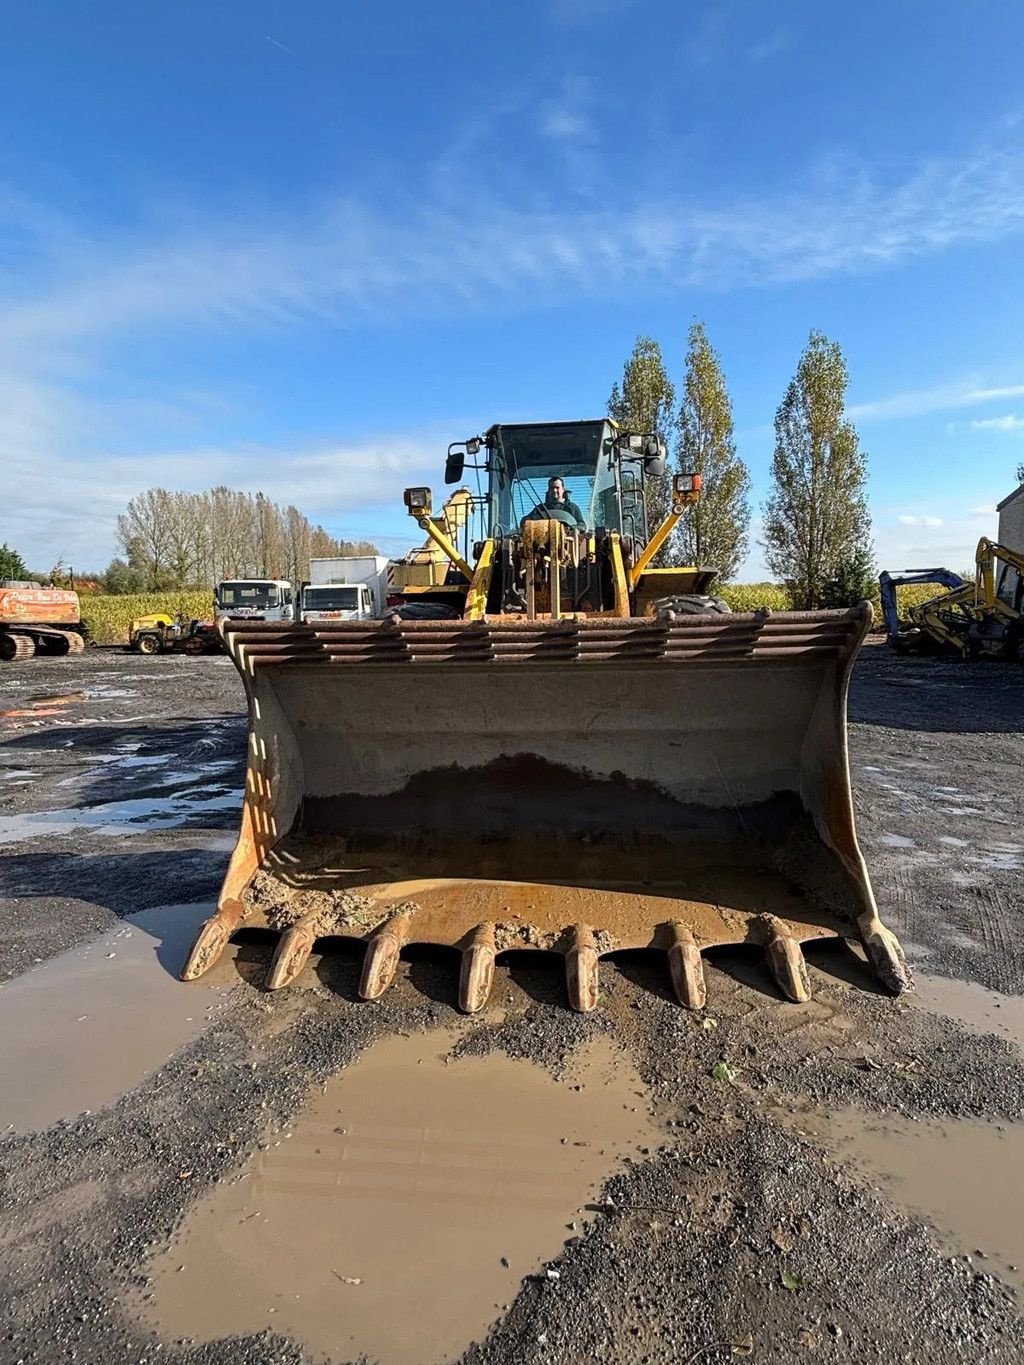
x,y
193,540
816,525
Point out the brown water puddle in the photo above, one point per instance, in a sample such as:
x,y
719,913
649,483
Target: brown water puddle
x,y
398,1213
963,1176
87,1026
981,1010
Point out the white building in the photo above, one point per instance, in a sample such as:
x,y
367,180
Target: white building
x,y
1011,520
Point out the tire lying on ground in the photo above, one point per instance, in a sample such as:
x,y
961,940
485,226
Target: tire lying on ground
x,y
689,604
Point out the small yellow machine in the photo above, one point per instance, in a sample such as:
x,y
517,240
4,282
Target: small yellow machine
x,y
551,746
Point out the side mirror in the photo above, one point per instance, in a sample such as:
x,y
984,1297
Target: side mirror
x,y
654,466
454,466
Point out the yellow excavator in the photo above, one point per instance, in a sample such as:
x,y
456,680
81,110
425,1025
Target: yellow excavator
x,y
983,619
551,745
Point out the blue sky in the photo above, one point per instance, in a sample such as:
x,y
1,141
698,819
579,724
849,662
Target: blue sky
x,y
301,247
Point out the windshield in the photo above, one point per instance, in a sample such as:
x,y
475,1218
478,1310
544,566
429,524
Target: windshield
x,y
525,459
249,595
331,598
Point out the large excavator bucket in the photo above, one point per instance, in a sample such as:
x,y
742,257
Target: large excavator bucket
x,y
578,786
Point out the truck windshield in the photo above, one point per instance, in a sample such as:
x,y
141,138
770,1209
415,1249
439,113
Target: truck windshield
x,y
331,598
249,595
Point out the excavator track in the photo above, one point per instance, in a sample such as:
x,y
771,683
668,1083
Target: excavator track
x,y
579,787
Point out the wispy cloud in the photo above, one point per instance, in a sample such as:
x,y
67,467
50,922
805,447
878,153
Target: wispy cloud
x,y
348,258
920,519
772,45
1009,422
567,118
949,397
352,486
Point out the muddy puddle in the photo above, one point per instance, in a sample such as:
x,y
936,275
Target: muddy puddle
x,y
87,1026
962,1177
133,816
398,1213
981,1010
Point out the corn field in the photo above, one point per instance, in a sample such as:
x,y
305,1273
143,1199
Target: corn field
x,y
109,618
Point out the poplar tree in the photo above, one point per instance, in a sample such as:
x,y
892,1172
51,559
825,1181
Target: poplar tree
x,y
816,520
713,531
644,402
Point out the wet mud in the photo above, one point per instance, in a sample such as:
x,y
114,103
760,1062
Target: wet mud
x,y
80,1030
400,1209
733,1234
962,1178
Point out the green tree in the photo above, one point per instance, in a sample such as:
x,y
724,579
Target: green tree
x,y
816,517
119,578
853,580
11,563
644,402
713,531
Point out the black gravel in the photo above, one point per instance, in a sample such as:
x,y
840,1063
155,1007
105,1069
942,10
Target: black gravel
x,y
687,1258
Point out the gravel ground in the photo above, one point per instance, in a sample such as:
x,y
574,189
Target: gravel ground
x,y
690,1257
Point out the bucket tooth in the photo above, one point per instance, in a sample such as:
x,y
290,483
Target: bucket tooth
x,y
293,950
687,968
581,969
885,955
212,939
382,953
476,976
785,959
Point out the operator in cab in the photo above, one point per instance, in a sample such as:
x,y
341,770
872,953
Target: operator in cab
x,y
557,500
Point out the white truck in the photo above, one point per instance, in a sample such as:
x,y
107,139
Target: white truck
x,y
347,588
254,599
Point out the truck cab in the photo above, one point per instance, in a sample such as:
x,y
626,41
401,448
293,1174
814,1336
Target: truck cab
x,y
336,602
255,599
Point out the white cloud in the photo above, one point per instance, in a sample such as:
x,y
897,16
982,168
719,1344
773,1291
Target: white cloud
x,y
942,398
987,509
773,45
1010,422
348,258
908,519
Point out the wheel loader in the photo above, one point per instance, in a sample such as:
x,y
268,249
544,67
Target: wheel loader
x,y
552,746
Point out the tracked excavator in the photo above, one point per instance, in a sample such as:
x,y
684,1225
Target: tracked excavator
x,y
551,746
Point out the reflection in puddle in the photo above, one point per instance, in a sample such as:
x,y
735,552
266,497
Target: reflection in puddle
x,y
399,1211
982,1010
86,1027
964,1177
110,817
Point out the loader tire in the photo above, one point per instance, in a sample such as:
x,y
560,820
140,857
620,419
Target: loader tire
x,y
14,647
147,644
668,608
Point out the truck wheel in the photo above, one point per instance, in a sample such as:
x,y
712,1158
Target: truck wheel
x,y
13,647
147,644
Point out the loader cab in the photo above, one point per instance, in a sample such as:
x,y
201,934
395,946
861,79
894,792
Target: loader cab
x,y
602,471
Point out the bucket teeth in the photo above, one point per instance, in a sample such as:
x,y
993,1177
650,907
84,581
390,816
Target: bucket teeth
x,y
212,939
785,959
885,955
476,976
687,968
293,950
382,953
581,969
